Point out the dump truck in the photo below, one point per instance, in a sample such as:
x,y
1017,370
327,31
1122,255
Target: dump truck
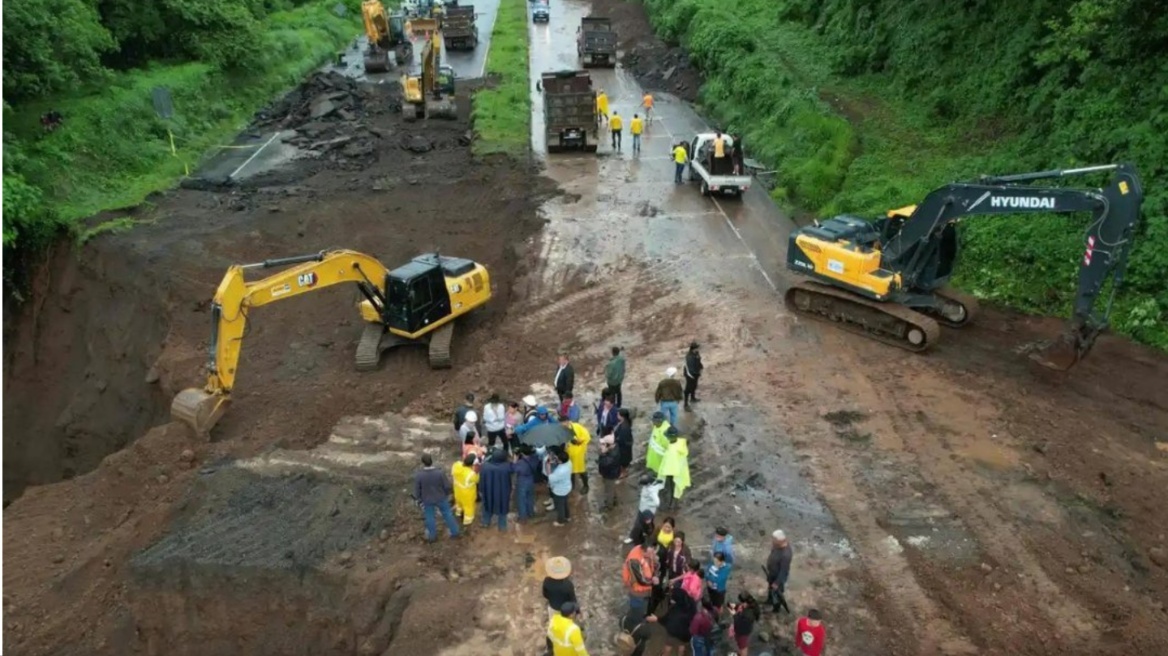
x,y
596,42
569,111
459,29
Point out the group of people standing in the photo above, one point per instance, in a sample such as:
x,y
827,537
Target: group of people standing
x,y
616,124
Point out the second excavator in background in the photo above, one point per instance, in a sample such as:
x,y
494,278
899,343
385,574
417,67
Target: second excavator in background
x,y
416,303
429,93
388,41
889,279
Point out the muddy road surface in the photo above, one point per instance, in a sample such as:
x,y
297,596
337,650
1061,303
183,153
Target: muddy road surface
x,y
959,502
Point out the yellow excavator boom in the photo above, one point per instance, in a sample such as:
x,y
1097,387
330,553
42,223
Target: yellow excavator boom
x,y
234,299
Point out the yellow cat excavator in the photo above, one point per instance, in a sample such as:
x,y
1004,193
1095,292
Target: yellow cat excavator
x,y
416,303
430,93
387,37
888,280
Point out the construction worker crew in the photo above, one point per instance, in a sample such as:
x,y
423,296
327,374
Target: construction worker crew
x,y
565,635
615,124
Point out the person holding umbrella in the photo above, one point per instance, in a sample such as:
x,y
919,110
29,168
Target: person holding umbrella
x,y
542,416
548,439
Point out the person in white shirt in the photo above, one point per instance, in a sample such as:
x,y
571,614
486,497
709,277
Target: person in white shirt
x,y
469,429
495,421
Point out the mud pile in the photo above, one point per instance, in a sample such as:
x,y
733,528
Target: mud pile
x,y
113,560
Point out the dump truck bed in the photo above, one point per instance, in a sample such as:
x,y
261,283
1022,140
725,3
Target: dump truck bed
x,y
459,29
569,105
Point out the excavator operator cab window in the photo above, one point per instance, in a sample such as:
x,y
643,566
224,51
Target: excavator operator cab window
x,y
416,297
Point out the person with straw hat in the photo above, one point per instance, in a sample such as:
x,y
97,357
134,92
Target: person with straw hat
x,y
557,586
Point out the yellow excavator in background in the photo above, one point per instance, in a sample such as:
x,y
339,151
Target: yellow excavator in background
x,y
387,37
888,280
416,303
430,93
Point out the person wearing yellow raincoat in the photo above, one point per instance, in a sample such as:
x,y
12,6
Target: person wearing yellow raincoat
x,y
577,450
466,488
674,468
658,443
601,106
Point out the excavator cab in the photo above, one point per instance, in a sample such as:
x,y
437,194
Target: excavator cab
x,y
416,294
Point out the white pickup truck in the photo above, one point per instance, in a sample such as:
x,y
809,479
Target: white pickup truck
x,y
716,174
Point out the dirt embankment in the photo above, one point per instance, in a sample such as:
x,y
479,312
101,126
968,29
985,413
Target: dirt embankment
x,y
115,329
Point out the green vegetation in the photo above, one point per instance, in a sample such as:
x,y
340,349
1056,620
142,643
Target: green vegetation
x,y
502,112
865,105
99,63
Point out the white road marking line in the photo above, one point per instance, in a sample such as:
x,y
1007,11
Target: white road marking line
x,y
253,155
757,262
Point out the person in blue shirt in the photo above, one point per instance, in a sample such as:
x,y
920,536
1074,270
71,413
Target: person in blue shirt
x,y
724,543
717,578
542,416
559,473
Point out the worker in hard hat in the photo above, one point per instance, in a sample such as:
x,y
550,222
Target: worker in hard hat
x,y
466,485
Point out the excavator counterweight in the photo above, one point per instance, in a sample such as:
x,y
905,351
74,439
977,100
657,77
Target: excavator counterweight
x,y
415,303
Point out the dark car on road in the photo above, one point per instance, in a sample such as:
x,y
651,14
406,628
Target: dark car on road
x,y
539,12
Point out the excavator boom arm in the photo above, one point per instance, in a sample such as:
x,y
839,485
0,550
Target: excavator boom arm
x,y
235,297
1115,212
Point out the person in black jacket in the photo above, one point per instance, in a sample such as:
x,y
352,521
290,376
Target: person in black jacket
x,y
460,411
693,371
557,586
676,621
610,472
565,380
624,440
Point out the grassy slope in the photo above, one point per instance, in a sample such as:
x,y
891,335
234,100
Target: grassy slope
x,y
114,150
502,114
850,145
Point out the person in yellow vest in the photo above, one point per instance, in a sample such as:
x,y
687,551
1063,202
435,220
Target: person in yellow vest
x,y
680,157
565,635
466,488
658,443
674,468
615,123
577,450
636,127
601,106
647,103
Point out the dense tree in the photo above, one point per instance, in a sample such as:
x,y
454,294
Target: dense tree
x,y
50,46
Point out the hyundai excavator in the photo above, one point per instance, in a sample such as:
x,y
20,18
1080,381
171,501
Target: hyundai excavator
x,y
430,94
416,303
387,37
888,279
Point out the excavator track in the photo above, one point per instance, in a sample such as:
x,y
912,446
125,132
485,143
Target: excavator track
x,y
885,322
440,341
369,348
970,308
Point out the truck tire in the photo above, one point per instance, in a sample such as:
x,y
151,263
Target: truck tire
x,y
705,188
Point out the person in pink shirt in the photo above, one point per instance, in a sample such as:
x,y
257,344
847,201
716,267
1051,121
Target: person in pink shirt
x,y
692,581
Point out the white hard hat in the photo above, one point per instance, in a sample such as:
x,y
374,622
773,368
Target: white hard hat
x,y
472,416
779,535
671,372
529,400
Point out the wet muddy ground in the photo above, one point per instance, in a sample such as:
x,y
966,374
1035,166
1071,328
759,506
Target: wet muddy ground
x,y
954,503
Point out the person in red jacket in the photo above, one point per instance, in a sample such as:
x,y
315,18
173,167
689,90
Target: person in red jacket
x,y
810,634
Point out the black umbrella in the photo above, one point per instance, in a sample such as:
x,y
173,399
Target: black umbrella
x,y
547,435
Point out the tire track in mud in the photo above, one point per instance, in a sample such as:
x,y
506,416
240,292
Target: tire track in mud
x,y
1063,616
902,599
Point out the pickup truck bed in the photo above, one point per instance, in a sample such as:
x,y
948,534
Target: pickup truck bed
x,y
715,174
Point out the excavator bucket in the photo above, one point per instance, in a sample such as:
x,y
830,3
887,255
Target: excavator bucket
x,y
1060,354
442,109
377,61
198,409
